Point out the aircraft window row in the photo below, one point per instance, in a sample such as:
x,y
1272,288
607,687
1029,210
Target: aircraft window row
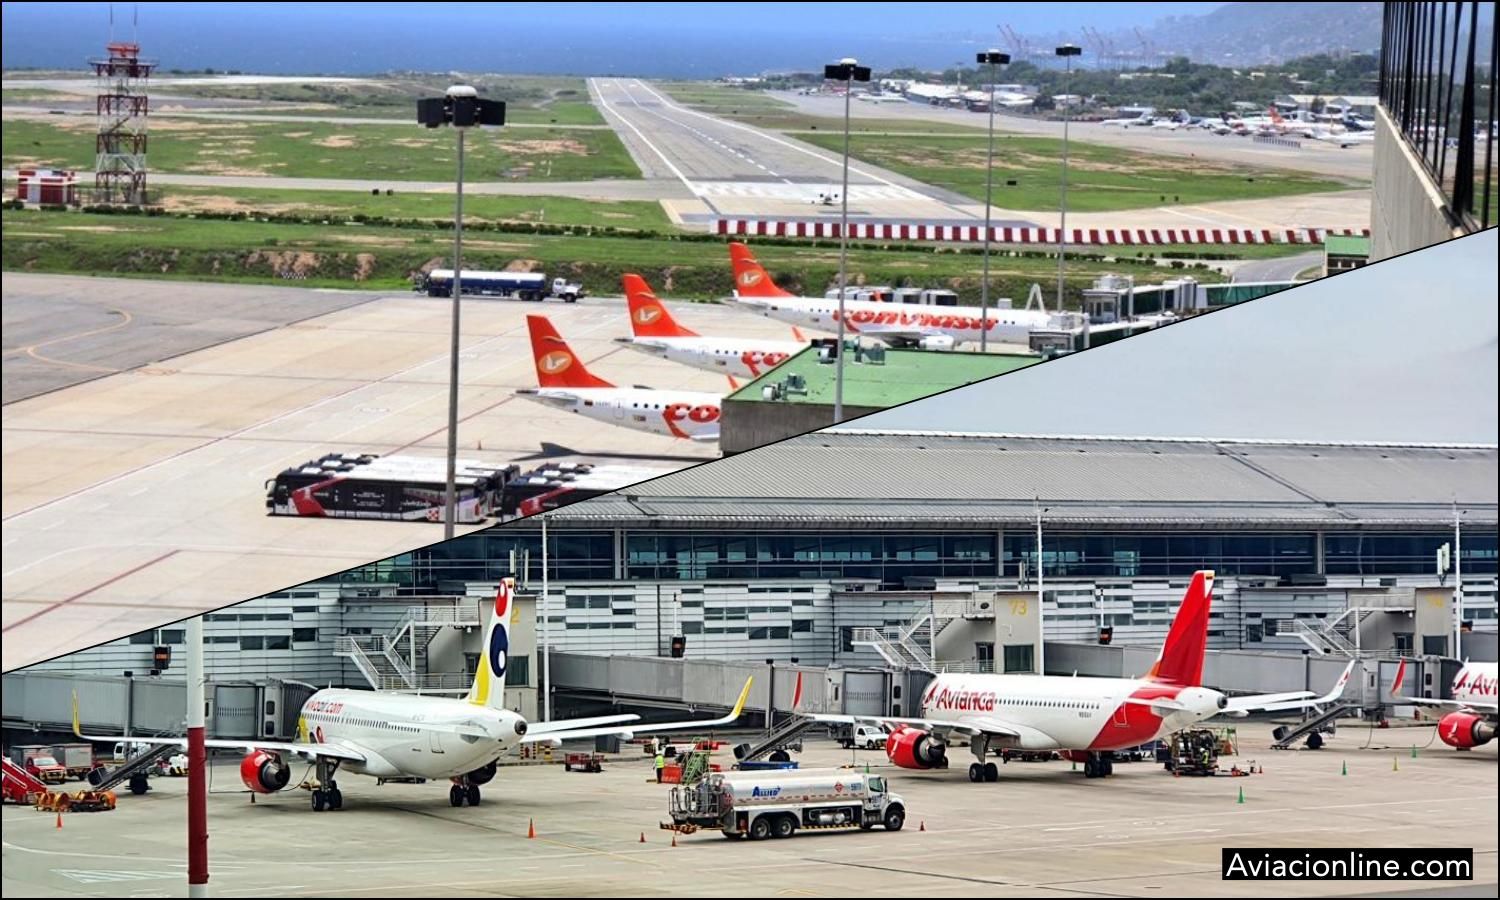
x,y
369,723
1049,704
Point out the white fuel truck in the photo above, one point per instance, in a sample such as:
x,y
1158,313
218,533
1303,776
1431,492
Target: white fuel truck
x,y
778,802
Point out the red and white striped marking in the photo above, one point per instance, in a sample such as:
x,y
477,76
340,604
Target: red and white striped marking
x,y
899,231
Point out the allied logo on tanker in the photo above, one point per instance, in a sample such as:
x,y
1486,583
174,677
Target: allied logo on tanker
x,y
648,314
556,361
966,701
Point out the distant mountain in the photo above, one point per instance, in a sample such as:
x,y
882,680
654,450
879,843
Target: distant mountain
x,y
1258,33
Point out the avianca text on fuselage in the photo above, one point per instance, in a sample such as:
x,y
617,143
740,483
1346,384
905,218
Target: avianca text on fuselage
x,y
565,383
655,331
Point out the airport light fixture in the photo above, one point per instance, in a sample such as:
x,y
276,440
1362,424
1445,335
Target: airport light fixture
x,y
848,70
1067,52
993,58
462,108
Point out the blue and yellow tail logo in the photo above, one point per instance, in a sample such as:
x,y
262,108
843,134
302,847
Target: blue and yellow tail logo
x,y
489,681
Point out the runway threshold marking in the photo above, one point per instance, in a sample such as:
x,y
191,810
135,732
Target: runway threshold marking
x,y
84,593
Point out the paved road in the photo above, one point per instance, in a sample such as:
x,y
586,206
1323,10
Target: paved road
x,y
1284,269
1353,163
137,498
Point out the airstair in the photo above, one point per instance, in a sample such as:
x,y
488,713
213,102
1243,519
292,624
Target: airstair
x,y
136,767
19,785
1312,727
778,737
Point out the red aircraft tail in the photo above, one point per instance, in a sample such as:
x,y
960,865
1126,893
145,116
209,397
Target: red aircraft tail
x,y
648,315
750,278
557,366
1181,659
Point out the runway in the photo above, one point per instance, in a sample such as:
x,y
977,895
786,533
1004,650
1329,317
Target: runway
x,y
137,498
737,170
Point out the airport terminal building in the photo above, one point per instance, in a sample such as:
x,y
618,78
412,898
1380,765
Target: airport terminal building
x,y
905,549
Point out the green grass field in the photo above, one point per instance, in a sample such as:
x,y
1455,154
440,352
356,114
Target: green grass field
x,y
383,257
1100,179
641,215
318,149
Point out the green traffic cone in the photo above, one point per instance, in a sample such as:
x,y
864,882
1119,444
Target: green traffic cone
x,y
1395,764
1242,794
867,768
1075,766
1413,751
1346,768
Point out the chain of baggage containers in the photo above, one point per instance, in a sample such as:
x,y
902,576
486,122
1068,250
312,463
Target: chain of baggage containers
x,y
370,486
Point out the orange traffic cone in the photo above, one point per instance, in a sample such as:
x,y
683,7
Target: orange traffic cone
x,y
531,828
674,839
922,826
59,817
252,798
643,837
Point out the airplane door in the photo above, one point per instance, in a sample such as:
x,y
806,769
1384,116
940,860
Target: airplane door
x,y
619,406
1122,715
434,742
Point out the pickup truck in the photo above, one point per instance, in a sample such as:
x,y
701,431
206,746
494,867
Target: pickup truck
x,y
865,737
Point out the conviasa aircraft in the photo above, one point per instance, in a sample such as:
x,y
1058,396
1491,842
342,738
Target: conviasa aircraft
x,y
1085,718
565,383
404,736
656,332
929,327
1475,712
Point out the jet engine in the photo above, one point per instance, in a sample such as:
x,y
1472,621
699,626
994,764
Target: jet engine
x,y
936,342
1465,730
913,748
264,773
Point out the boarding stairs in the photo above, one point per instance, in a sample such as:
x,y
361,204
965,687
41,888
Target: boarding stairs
x,y
19,785
103,779
777,737
1338,636
396,660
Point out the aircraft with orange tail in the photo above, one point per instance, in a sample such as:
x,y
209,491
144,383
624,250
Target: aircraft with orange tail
x,y
564,382
1087,719
899,324
655,331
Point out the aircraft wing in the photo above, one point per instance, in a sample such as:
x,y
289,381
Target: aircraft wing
x,y
297,748
1242,706
1476,705
568,729
540,728
970,726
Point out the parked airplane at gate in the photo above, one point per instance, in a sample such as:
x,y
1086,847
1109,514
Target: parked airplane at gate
x,y
656,332
928,327
564,382
1085,718
392,736
1475,715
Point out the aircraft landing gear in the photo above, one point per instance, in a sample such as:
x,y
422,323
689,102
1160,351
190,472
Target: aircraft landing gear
x,y
327,794
1098,765
980,770
463,791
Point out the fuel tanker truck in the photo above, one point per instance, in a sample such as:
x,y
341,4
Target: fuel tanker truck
x,y
776,803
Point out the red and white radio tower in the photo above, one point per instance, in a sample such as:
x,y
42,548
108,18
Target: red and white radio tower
x,y
121,108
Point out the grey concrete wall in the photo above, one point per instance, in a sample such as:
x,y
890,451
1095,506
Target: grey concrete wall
x,y
1407,212
747,424
1017,621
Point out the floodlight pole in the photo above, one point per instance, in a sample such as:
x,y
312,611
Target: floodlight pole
x,y
1067,52
1458,586
838,363
546,629
993,57
1041,609
197,762
450,503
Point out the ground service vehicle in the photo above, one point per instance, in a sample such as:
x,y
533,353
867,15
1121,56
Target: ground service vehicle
x,y
865,737
525,285
78,759
777,803
558,484
39,764
367,486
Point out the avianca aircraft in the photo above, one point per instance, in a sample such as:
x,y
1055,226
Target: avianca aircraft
x,y
929,327
563,382
657,333
1086,718
404,736
1475,714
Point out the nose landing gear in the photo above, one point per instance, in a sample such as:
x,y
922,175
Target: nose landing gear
x,y
463,791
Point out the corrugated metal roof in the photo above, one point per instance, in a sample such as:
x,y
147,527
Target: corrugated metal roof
x,y
936,478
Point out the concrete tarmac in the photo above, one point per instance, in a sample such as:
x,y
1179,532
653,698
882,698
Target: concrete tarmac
x,y
1041,831
137,498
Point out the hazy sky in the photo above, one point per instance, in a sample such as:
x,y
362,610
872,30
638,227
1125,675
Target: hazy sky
x,y
1404,350
685,39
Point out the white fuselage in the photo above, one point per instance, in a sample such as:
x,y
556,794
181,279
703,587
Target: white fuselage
x,y
963,324
387,729
690,415
742,358
1061,713
1476,682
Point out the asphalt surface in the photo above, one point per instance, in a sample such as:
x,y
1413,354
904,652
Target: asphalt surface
x,y
1042,831
138,498
1286,268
